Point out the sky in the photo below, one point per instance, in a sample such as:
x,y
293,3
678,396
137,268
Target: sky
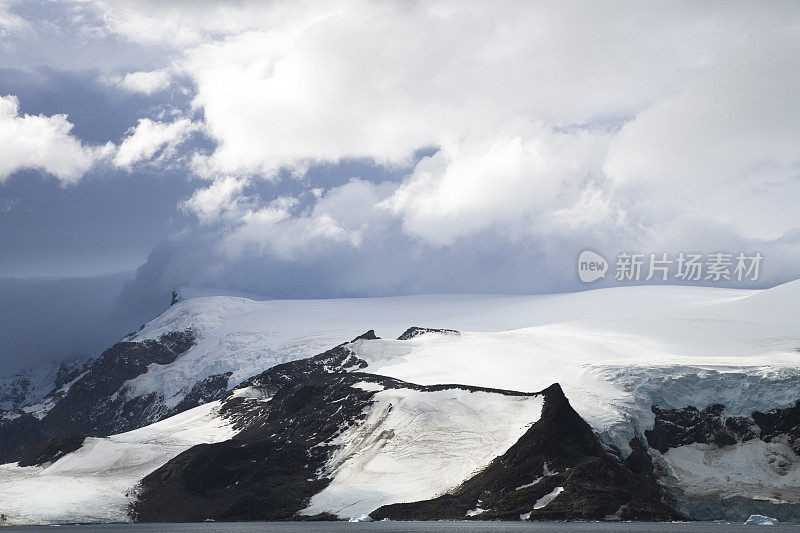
x,y
330,149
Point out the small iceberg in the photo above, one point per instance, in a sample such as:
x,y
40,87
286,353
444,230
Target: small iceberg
x,y
761,520
362,518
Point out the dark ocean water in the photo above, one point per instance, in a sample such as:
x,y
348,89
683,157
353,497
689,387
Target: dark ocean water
x,y
412,527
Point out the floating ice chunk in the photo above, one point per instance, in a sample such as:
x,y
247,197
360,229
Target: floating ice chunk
x,y
362,518
761,520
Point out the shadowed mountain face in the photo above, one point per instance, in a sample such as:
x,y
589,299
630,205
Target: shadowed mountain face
x,y
96,403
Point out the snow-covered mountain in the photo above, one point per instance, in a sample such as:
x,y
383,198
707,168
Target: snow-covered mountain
x,y
685,398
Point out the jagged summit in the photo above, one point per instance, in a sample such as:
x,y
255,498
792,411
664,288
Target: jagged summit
x,y
368,336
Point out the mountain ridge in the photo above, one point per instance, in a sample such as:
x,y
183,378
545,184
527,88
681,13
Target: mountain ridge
x,y
662,389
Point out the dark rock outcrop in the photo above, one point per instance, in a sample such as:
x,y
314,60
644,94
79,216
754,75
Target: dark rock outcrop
x,y
17,435
415,331
51,450
208,390
674,428
680,427
233,481
780,422
688,425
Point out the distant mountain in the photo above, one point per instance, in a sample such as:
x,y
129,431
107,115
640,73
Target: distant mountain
x,y
642,403
24,391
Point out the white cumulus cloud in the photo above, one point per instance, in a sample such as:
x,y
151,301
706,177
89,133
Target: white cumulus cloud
x,y
43,143
533,107
146,82
546,126
151,138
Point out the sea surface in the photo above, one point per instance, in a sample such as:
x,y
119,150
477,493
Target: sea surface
x,y
412,527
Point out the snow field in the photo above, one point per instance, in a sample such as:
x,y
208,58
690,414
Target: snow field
x,y
96,482
416,445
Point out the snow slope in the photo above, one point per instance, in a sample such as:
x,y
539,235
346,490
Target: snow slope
x,y
416,445
634,324
669,346
95,483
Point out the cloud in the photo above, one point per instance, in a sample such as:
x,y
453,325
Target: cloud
x,y
544,128
293,85
724,146
43,143
338,219
498,139
11,23
468,187
183,23
146,82
150,138
288,84
221,199
46,143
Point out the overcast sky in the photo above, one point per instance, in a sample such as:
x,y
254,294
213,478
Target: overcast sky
x,y
321,149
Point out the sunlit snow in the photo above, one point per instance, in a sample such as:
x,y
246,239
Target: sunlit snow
x,y
95,483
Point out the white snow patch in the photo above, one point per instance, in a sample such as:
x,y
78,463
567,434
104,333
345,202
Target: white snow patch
x,y
525,516
545,473
253,393
367,386
531,484
96,482
476,511
246,336
416,445
547,498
